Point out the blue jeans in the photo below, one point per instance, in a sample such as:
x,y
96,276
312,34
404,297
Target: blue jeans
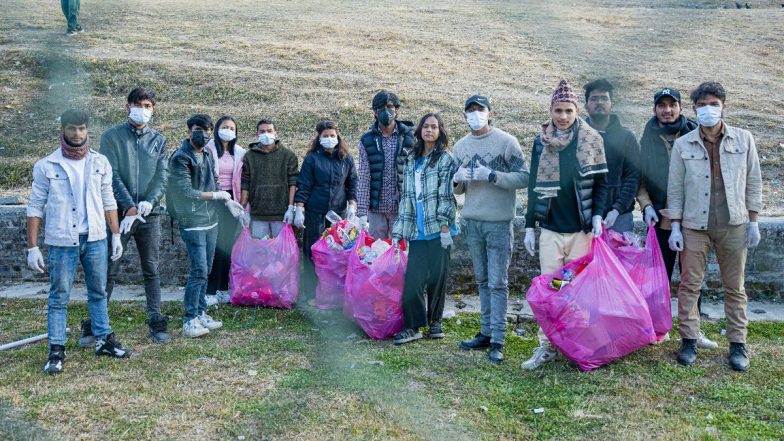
x,y
490,246
62,267
201,251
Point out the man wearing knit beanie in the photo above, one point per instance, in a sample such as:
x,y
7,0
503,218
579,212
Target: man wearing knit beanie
x,y
566,194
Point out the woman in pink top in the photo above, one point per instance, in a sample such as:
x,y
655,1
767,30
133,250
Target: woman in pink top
x,y
228,164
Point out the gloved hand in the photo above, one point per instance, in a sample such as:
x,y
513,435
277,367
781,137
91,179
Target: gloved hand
x,y
145,208
235,208
117,248
530,241
676,237
351,211
220,195
446,239
753,235
462,175
610,219
299,217
481,173
35,260
244,219
289,216
127,223
650,215
363,223
596,222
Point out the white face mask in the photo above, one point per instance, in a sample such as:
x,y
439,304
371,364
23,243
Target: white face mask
x,y
477,120
267,139
140,116
709,116
328,142
226,135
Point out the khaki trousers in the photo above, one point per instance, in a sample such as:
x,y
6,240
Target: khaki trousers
x,y
730,246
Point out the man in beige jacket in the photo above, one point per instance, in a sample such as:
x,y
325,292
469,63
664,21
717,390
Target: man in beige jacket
x,y
714,193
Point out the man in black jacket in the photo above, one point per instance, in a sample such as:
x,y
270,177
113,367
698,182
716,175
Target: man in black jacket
x,y
137,154
622,153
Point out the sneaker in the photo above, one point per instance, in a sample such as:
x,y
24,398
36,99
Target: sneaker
x,y
212,300
54,365
209,322
480,341
406,336
496,354
86,337
79,29
158,324
705,343
541,355
436,331
71,32
739,357
193,328
223,297
688,353
111,347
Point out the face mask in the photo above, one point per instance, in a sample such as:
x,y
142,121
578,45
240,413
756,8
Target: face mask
x,y
328,142
477,120
385,116
709,116
199,139
226,135
140,116
267,139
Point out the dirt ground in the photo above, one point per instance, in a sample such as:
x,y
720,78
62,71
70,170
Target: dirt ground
x,y
298,62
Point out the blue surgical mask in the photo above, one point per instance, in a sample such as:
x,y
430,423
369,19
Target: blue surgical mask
x,y
709,116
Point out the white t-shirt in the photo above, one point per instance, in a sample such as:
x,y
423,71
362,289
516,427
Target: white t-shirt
x,y
75,171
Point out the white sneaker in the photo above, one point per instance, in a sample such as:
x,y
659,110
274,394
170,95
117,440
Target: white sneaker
x,y
212,300
193,328
223,297
705,343
209,322
541,355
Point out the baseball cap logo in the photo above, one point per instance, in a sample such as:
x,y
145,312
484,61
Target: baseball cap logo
x,y
665,91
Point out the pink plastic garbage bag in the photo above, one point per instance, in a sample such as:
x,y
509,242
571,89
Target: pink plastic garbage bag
x,y
331,266
265,272
598,316
374,293
645,266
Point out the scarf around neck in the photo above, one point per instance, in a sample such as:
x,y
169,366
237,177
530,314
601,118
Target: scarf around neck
x,y
669,129
590,155
74,153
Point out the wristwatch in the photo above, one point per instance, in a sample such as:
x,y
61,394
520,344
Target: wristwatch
x,y
492,177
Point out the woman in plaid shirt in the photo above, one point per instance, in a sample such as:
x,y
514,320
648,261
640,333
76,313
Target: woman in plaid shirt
x,y
426,220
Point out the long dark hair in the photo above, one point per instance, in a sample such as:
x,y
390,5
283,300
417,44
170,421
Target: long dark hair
x,y
442,143
219,142
315,145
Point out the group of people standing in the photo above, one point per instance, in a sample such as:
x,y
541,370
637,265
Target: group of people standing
x,y
585,175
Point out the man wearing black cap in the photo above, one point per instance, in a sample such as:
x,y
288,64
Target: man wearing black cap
x,y
492,167
667,124
382,156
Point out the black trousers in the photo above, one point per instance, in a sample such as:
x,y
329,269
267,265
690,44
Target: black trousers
x,y
228,229
427,270
663,237
315,223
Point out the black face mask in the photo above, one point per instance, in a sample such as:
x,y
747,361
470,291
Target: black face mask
x,y
385,116
198,139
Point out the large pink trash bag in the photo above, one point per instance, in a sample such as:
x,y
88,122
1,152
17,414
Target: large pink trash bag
x,y
599,316
374,293
265,272
646,268
331,266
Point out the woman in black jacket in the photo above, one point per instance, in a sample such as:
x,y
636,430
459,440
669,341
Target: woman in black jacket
x,y
327,181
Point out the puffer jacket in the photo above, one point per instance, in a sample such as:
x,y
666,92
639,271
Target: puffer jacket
x,y
326,182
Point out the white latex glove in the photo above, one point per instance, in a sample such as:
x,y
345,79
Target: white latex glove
x,y
596,221
650,215
35,260
363,223
462,175
610,219
676,237
481,173
753,235
289,216
530,241
351,211
235,208
144,208
117,248
299,217
127,223
446,239
244,219
220,195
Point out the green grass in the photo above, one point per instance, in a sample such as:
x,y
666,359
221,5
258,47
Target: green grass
x,y
273,374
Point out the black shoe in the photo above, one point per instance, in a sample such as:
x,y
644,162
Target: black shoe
x,y
406,336
480,341
111,347
158,324
436,331
86,338
688,353
739,357
79,29
496,354
54,365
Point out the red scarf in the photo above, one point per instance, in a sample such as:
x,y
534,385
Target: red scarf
x,y
74,153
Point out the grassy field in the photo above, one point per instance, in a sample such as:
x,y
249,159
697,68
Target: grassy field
x,y
301,375
297,62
